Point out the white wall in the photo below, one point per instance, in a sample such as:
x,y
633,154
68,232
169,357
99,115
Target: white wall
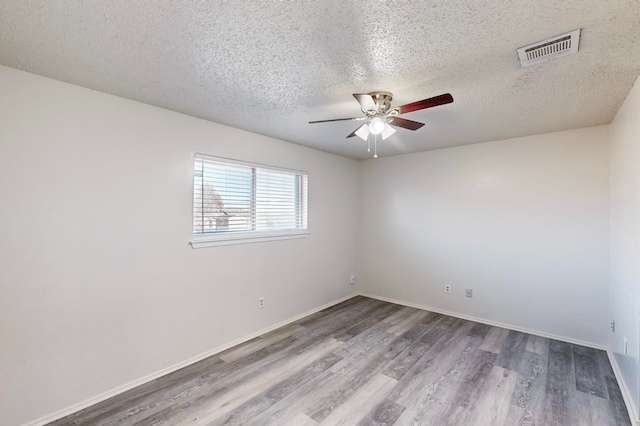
x,y
625,239
98,284
523,222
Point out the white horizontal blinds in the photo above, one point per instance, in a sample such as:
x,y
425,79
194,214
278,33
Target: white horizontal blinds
x,y
302,206
241,197
222,197
305,202
276,200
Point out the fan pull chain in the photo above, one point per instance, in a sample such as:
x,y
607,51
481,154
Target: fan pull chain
x,y
375,147
368,145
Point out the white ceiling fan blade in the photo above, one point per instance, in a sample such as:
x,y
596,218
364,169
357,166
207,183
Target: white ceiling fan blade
x,y
363,132
366,101
388,131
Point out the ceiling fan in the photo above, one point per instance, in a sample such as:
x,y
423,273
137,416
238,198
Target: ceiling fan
x,y
379,115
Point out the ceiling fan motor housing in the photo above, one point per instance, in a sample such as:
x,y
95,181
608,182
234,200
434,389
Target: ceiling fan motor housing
x,y
382,100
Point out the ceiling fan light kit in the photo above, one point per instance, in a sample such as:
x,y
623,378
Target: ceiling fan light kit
x,y
379,117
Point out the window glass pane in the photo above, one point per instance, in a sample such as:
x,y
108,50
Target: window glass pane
x,y
240,197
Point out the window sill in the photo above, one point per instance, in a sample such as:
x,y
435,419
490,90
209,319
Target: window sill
x,y
226,240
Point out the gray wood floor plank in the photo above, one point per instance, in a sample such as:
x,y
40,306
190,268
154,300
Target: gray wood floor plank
x,y
258,343
342,311
408,323
560,409
361,402
372,320
350,378
427,322
366,343
370,362
605,365
222,379
618,407
206,407
296,402
400,315
416,388
593,411
494,340
529,397
538,345
340,321
252,408
476,373
355,303
143,398
512,350
386,413
445,390
300,419
328,391
616,400
589,378
406,360
480,330
561,372
561,388
494,403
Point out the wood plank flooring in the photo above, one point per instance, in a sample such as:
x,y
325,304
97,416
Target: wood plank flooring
x,y
368,362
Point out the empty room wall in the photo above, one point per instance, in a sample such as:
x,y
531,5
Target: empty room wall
x,y
99,286
524,223
625,240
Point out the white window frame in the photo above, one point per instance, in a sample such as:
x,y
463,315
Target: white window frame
x,y
245,237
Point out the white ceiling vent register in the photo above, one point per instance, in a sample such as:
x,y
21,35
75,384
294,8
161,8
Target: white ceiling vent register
x,y
551,48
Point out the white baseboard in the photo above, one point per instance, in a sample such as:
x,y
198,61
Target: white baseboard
x,y
484,321
628,401
120,389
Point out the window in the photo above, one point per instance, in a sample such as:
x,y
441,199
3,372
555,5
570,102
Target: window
x,y
237,202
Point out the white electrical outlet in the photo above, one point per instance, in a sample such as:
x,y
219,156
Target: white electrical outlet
x,y
447,288
261,302
353,279
469,292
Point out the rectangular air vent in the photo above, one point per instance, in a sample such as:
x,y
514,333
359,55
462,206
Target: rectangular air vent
x,y
551,48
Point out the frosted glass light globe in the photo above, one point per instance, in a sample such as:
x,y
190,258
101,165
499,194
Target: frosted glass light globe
x,y
376,126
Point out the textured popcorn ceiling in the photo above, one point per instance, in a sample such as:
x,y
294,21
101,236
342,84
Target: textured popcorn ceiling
x,y
271,66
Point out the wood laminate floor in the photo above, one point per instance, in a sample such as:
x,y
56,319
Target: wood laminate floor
x,y
367,362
